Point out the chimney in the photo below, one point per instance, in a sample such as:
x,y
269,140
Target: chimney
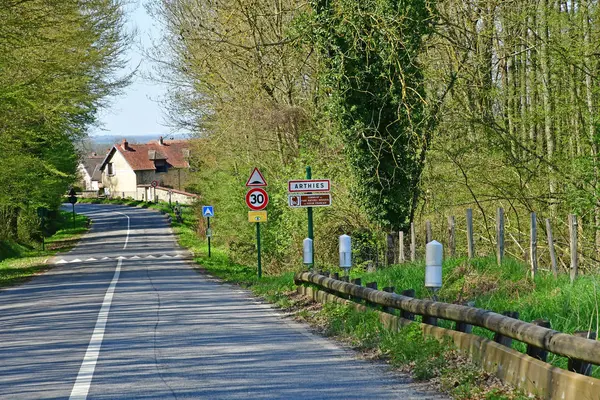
x,y
125,145
161,141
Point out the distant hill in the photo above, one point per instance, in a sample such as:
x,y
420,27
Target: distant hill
x,y
112,139
102,143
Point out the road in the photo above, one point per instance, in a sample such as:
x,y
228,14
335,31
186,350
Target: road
x,y
124,316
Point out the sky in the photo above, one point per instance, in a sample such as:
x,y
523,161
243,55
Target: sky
x,y
136,111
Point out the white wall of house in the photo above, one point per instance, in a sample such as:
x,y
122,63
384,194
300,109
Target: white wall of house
x,y
123,181
85,180
147,193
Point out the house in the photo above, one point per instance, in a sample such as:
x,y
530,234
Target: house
x,y
89,172
128,170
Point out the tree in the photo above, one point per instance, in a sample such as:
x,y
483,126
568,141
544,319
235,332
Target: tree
x,y
375,90
58,63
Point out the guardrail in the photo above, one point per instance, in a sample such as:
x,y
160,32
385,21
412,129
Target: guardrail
x,y
578,349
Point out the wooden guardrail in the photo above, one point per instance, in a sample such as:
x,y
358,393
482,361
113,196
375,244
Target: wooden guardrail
x,y
576,348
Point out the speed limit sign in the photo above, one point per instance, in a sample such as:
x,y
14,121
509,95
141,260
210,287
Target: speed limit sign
x,y
257,199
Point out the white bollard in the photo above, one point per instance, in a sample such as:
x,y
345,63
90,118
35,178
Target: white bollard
x,y
345,252
307,251
434,255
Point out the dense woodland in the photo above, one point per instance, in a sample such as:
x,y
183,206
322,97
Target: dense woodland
x,y
58,63
416,110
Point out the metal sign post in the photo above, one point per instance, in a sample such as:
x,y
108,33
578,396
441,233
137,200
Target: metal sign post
x,y
257,200
73,200
311,233
258,249
208,234
208,211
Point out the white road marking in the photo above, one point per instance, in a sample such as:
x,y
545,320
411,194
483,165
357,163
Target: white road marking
x,y
106,258
75,260
62,261
135,257
150,256
128,226
91,259
165,256
86,372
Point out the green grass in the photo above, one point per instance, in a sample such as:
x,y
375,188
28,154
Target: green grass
x,y
569,307
19,262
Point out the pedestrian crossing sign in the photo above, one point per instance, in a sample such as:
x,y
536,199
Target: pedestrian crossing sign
x,y
207,211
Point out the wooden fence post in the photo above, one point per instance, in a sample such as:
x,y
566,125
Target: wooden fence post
x,y
573,235
462,326
400,247
413,242
371,285
533,246
389,250
536,352
405,314
551,248
470,243
356,282
579,366
500,235
428,235
451,237
504,340
389,310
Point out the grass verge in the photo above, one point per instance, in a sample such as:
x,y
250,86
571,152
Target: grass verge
x,y
24,262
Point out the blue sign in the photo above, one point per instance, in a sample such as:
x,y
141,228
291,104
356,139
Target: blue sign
x,y
207,211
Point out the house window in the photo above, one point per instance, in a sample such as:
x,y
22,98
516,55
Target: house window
x,y
109,169
161,165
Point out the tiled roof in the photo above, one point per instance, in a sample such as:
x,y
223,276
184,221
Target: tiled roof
x,y
91,163
141,156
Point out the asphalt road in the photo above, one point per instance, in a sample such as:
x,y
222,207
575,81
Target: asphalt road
x,y
123,316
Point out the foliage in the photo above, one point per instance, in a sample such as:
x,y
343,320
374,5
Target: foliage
x,y
18,262
57,65
375,91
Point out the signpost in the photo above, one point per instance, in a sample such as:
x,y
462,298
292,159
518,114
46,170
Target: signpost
x,y
73,200
309,185
257,216
208,211
257,199
309,200
154,184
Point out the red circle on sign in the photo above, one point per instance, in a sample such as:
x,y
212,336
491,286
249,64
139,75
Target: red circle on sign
x,y
154,184
257,199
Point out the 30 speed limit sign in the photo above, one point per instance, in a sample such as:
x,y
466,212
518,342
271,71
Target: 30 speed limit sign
x,y
257,199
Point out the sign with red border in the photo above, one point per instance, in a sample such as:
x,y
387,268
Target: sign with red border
x,y
309,185
257,199
256,179
153,184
